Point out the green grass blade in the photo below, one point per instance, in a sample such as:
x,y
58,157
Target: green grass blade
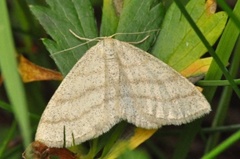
x,y
224,49
5,106
210,83
225,98
12,81
234,17
13,153
228,128
7,139
223,146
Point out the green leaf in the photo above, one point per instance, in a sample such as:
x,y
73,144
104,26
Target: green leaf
x,y
178,45
136,19
57,20
130,139
135,154
110,18
140,16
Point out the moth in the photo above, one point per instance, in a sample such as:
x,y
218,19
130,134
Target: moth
x,y
117,81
